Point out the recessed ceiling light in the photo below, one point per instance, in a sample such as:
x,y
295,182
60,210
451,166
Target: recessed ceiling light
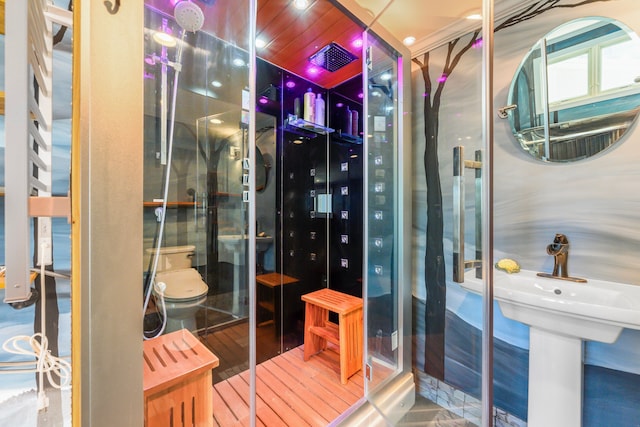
x,y
301,4
474,17
385,76
216,83
260,43
408,41
297,141
164,39
238,62
216,121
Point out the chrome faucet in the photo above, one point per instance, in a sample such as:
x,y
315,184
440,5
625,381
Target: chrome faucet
x,y
560,251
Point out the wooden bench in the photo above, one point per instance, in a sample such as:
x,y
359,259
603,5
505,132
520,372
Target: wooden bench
x,y
346,335
177,381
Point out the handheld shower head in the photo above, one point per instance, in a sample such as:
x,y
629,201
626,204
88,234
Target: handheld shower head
x,y
189,16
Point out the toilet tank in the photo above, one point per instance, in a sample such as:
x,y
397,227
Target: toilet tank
x,y
173,257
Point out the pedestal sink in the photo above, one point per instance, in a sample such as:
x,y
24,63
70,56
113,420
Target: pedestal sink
x,y
561,315
235,244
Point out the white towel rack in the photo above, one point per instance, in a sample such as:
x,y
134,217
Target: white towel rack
x,y
28,127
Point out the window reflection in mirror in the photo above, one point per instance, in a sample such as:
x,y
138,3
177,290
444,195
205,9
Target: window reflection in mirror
x,y
582,95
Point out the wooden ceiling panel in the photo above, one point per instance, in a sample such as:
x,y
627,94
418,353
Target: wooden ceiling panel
x,y
292,35
307,41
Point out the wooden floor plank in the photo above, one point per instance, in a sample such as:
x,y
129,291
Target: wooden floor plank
x,y
222,414
295,382
310,382
329,382
328,363
290,391
242,389
234,401
264,411
267,389
302,406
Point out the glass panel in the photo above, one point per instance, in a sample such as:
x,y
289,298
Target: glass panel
x,y
381,229
197,161
448,324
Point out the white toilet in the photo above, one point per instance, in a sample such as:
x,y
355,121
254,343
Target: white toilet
x,y
185,290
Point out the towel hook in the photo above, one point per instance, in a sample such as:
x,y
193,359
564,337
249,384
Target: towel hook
x,y
502,112
111,8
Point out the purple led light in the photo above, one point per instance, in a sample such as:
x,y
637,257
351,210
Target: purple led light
x,y
361,95
263,100
291,84
357,43
313,70
442,78
339,104
477,44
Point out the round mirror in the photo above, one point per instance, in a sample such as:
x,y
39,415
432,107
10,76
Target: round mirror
x,y
577,91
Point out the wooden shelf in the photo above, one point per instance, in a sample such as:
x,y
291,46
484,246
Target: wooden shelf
x,y
172,204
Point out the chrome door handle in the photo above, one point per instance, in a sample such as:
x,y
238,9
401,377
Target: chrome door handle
x,y
459,165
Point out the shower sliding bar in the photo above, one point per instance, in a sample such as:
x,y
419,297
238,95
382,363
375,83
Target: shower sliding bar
x,y
459,165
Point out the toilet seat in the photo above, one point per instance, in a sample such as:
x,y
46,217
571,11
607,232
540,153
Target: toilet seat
x,y
182,285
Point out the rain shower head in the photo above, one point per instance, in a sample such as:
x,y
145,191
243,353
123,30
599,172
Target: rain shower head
x,y
332,57
189,16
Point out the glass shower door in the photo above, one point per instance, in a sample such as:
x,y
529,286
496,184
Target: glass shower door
x,y
199,165
382,228
381,222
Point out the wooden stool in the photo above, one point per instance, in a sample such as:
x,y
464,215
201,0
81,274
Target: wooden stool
x,y
347,335
272,304
177,381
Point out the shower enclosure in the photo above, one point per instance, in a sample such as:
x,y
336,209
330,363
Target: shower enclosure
x,y
276,206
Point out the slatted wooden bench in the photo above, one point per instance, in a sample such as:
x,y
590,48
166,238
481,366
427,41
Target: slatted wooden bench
x,y
177,381
346,335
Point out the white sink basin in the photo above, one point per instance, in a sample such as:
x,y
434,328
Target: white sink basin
x,y
596,310
561,314
233,242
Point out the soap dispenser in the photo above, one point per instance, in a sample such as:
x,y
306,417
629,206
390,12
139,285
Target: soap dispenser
x,y
309,104
318,111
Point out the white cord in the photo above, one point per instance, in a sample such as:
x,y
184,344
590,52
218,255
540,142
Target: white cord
x,y
160,287
26,345
165,194
46,363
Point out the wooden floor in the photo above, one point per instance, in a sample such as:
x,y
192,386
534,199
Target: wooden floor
x,y
290,392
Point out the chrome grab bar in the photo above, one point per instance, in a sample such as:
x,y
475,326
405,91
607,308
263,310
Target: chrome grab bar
x,y
459,165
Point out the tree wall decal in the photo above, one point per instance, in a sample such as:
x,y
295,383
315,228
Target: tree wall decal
x,y
435,277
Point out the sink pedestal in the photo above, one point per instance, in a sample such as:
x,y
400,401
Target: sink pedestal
x,y
555,380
